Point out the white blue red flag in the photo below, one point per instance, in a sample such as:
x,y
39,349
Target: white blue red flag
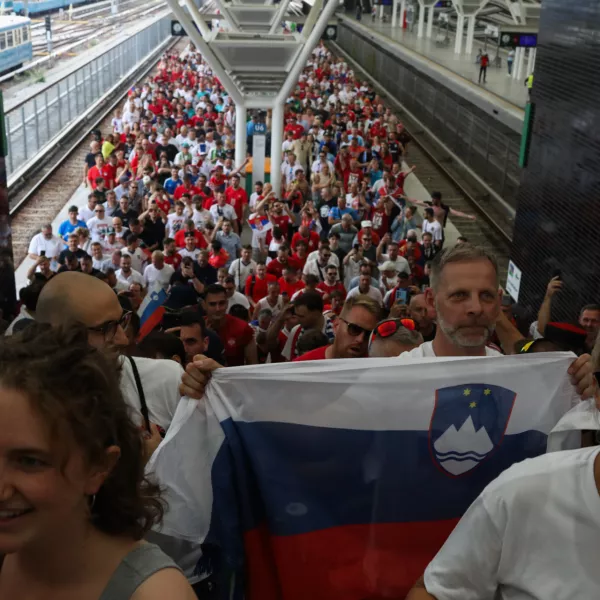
x,y
151,310
340,480
259,223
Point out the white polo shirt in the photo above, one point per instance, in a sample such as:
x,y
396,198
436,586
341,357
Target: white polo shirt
x,y
162,276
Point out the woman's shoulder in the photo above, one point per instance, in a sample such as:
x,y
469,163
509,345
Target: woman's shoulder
x,y
146,573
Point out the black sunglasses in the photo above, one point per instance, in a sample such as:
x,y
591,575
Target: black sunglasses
x,y
355,330
109,328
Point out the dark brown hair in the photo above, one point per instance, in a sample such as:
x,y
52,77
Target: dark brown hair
x,y
76,389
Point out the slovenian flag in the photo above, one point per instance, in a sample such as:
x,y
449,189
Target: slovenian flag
x,y
151,310
340,480
260,223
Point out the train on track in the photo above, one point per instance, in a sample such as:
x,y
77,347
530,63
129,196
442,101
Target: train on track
x,y
42,7
15,42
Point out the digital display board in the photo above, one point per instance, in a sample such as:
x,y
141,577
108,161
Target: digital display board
x,y
513,39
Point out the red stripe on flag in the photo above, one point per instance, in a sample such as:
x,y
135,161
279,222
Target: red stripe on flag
x,y
352,562
151,322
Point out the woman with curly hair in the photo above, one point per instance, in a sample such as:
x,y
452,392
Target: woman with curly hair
x,y
74,500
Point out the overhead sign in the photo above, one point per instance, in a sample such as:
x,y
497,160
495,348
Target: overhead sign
x,y
443,4
330,33
513,281
260,128
492,31
516,39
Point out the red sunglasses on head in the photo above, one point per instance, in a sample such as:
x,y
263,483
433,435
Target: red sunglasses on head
x,y
389,327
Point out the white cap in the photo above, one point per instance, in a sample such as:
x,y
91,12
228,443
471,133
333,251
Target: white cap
x,y
388,265
147,179
365,224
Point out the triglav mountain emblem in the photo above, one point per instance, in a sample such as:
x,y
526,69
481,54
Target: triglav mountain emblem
x,y
467,425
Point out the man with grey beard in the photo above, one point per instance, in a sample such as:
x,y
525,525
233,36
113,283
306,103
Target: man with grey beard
x,y
466,296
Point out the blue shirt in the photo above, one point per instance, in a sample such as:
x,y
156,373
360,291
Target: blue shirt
x,y
170,185
250,128
66,227
337,213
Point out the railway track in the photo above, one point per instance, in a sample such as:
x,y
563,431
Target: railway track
x,y
492,229
44,197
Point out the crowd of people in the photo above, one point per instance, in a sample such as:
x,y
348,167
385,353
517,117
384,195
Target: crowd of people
x,y
336,263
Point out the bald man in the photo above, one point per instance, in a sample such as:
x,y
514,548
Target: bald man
x,y
80,297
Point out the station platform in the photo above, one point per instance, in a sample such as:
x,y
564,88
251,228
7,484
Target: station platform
x,y
499,83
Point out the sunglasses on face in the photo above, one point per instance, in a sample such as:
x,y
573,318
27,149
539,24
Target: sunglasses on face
x,y
109,328
355,330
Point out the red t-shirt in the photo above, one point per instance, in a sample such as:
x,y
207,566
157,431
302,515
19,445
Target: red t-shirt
x,y
174,260
327,289
351,177
257,288
381,221
283,222
376,238
237,199
289,288
181,189
294,258
276,268
235,335
316,354
105,172
312,241
180,239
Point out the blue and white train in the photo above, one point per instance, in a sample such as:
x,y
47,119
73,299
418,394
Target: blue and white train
x,y
41,7
15,42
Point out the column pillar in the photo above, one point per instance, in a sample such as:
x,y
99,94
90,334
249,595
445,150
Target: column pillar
x,y
460,28
516,63
470,33
520,63
240,134
380,11
530,61
421,29
402,13
394,12
276,153
430,23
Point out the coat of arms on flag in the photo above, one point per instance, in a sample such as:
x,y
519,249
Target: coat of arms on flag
x,y
468,424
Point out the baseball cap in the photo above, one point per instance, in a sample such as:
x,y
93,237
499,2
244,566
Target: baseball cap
x,y
388,265
185,144
365,224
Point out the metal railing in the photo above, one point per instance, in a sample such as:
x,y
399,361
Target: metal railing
x,y
486,146
32,124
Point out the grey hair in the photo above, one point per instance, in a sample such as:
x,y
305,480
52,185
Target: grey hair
x,y
265,312
459,253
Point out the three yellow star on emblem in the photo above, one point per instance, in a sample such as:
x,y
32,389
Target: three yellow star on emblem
x,y
467,392
473,405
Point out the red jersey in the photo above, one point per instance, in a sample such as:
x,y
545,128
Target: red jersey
x,y
351,177
327,289
276,268
296,129
235,335
289,288
312,240
298,260
180,239
237,199
381,221
256,288
174,260
283,222
163,204
105,172
181,189
316,354
376,238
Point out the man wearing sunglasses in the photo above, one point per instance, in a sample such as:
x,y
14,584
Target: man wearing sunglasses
x,y
352,331
79,297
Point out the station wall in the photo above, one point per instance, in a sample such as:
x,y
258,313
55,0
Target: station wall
x,y
558,216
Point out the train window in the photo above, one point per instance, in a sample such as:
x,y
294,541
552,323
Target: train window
x,y
17,33
25,34
9,39
2,41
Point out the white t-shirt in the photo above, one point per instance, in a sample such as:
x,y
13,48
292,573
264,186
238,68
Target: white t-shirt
x,y
241,272
333,259
175,222
425,350
264,303
435,229
160,382
138,259
52,247
86,213
193,254
133,277
162,276
372,293
98,228
401,263
238,298
227,212
531,535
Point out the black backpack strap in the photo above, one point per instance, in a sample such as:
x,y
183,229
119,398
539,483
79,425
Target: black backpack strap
x,y
140,390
